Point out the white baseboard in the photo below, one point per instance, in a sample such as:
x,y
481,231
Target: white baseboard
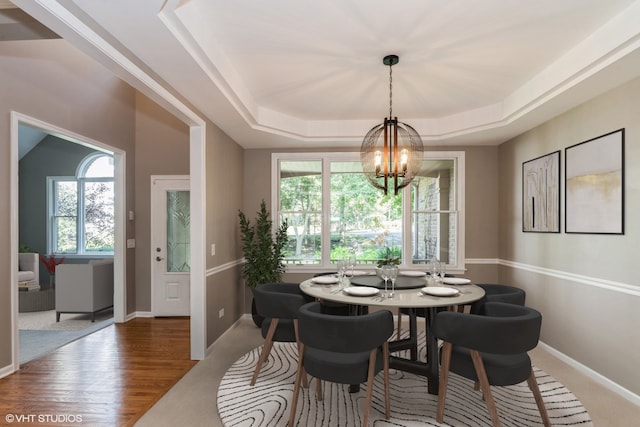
x,y
6,371
135,314
597,377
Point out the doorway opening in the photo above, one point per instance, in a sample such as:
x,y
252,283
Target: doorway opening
x,y
69,201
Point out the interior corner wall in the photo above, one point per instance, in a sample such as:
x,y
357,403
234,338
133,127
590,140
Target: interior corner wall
x,y
585,285
52,81
224,195
162,148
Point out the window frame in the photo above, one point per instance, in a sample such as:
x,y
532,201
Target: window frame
x,y
407,214
80,179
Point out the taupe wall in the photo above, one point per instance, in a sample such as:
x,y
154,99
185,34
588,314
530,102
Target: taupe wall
x,y
588,318
162,148
53,82
224,187
481,201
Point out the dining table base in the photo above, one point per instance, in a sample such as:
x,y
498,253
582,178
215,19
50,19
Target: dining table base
x,y
430,368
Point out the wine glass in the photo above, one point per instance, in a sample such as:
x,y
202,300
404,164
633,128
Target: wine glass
x,y
352,264
384,274
443,271
393,275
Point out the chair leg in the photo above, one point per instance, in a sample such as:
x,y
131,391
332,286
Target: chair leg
x,y
486,388
444,378
533,385
387,401
296,387
370,376
305,381
318,389
266,349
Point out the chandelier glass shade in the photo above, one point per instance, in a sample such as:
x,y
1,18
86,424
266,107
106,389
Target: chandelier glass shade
x,y
391,152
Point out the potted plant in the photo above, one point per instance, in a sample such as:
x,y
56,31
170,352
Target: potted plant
x,y
50,262
389,257
263,251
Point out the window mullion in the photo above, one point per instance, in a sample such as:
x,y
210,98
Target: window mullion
x,y
407,224
326,213
80,215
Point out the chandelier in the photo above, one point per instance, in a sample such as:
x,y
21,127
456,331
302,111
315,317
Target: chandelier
x,y
392,150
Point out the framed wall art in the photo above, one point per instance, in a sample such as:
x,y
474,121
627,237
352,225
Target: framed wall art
x,y
541,194
594,185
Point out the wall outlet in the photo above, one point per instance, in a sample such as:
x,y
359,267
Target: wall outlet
x,y
131,243
213,249
221,313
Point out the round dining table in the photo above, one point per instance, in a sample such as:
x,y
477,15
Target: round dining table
x,y
367,290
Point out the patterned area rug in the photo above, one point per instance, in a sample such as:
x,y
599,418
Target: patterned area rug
x,y
41,334
267,403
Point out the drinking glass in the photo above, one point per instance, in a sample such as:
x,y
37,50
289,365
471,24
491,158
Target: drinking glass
x,y
393,275
342,267
435,270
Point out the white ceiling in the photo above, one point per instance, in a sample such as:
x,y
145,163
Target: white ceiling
x,y
291,73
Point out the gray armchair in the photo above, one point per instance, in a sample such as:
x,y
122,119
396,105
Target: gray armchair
x,y
499,293
278,303
490,349
343,349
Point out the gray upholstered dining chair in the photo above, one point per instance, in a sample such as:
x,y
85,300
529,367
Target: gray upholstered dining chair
x,y
499,293
343,349
278,303
489,348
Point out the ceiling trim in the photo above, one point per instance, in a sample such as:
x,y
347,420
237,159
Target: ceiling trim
x,y
612,42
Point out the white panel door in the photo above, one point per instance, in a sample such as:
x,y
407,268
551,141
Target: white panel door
x,y
170,246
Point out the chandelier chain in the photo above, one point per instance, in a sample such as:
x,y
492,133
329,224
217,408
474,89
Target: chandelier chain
x,y
390,92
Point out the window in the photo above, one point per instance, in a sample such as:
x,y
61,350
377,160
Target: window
x,y
333,211
81,209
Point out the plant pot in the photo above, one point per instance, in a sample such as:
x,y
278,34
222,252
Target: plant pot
x,y
257,319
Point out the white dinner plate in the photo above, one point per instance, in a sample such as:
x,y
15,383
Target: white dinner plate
x,y
325,280
440,291
361,291
456,281
412,273
357,273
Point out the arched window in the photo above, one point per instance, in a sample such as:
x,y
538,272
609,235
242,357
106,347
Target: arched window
x,y
82,209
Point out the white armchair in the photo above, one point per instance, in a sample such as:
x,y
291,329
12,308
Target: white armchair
x,y
28,272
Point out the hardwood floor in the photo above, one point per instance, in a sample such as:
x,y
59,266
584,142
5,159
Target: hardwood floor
x,y
109,378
